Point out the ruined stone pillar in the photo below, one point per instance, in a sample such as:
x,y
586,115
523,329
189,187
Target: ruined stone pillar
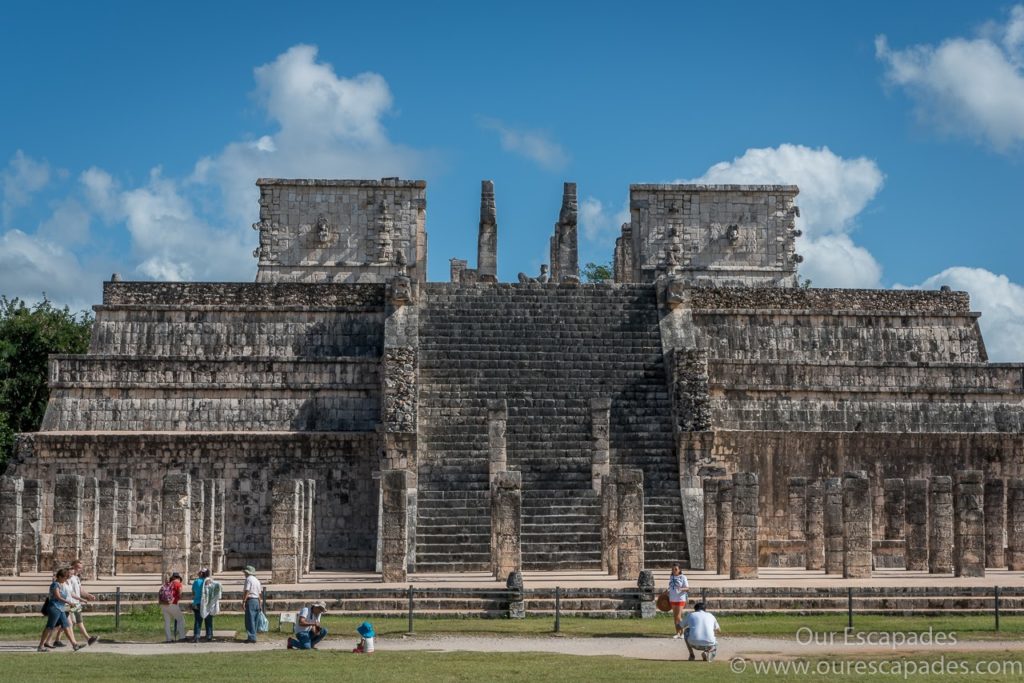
x,y
856,525
67,519
506,524
176,524
895,508
969,524
564,243
815,534
995,523
31,525
90,526
487,240
600,431
833,504
11,489
1015,524
310,525
220,504
210,490
917,525
394,525
723,510
107,542
125,512
940,531
516,599
301,550
610,524
797,508
497,421
745,494
630,489
646,586
284,531
198,518
711,524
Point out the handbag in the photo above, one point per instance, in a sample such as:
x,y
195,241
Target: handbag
x,y
45,610
663,603
262,623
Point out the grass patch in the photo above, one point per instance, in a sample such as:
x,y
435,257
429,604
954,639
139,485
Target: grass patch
x,y
460,666
147,626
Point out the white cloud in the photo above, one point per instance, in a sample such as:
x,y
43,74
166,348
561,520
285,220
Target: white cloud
x,y
532,144
23,177
598,223
973,85
68,225
1000,301
833,192
31,266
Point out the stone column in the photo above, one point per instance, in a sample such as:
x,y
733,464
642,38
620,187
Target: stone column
x,y
125,512
995,523
506,524
210,491
107,543
745,494
940,530
1015,524
301,550
394,525
310,525
610,524
11,489
67,519
856,525
220,503
600,431
175,524
284,531
487,240
917,525
630,485
497,419
646,586
198,518
711,524
516,599
723,510
969,524
797,508
90,526
895,509
815,535
31,525
833,525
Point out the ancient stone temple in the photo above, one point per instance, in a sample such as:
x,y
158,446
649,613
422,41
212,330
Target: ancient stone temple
x,y
542,424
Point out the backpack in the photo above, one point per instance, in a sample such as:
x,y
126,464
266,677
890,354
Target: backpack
x,y
166,594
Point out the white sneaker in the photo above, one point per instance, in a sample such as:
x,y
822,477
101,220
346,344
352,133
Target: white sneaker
x,y
677,636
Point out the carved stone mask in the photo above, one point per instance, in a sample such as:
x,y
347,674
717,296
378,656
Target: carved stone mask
x,y
732,233
401,290
323,230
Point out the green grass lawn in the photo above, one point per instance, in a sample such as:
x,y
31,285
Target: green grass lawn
x,y
406,667
147,625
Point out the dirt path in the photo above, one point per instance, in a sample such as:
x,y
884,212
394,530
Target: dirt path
x,y
639,648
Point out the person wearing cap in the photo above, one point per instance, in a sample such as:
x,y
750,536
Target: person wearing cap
x,y
252,591
308,631
170,594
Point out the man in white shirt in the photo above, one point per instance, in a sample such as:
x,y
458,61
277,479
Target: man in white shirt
x,y
701,631
252,591
308,631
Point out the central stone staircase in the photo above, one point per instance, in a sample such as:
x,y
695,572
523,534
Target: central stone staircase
x,y
547,350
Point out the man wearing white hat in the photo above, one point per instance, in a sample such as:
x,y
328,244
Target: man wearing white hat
x,y
308,631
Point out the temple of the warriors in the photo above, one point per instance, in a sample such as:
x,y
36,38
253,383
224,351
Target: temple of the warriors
x,y
341,412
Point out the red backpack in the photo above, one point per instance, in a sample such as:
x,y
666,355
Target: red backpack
x,y
166,594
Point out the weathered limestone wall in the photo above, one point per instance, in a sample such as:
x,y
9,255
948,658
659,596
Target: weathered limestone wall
x,y
340,230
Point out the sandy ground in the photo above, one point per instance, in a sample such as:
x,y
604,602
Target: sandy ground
x,y
639,648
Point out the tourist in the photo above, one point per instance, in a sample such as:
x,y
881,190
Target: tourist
x,y
252,591
77,599
197,607
366,638
210,604
701,633
54,609
677,592
170,594
308,631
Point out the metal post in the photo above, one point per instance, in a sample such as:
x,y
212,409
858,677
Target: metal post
x,y
410,608
558,609
997,608
117,609
849,607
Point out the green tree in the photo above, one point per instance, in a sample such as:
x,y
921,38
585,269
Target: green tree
x,y
597,272
28,335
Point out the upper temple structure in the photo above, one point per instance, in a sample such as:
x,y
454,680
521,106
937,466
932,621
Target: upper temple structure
x,y
344,413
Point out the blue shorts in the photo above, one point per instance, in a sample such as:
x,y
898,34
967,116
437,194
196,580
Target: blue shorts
x,y
55,617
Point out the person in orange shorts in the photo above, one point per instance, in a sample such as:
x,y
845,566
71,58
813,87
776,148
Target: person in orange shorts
x,y
678,587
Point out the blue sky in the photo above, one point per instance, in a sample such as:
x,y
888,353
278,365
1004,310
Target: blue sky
x,y
132,135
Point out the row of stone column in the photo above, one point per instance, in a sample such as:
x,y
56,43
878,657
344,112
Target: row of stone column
x,y
731,525
192,524
292,539
940,525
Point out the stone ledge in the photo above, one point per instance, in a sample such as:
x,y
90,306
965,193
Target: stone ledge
x,y
321,182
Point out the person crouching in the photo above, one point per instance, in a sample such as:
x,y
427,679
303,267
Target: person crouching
x,y
308,631
366,638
